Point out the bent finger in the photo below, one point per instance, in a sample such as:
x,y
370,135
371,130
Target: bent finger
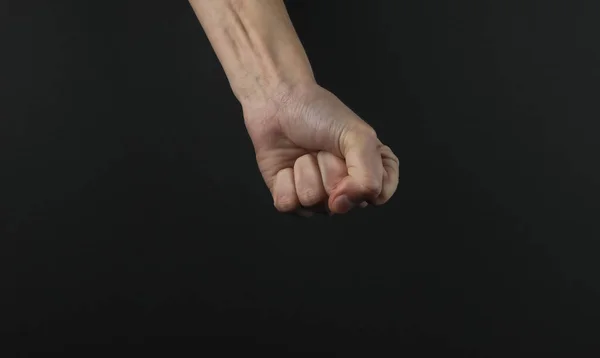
x,y
284,191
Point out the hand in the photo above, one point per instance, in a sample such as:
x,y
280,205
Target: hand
x,y
312,150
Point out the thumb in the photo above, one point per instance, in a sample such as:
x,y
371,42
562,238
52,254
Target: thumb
x,y
360,148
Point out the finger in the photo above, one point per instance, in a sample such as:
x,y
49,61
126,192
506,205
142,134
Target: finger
x,y
391,175
284,191
309,185
365,171
333,171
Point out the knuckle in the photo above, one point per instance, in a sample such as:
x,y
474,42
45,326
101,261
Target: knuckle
x,y
363,131
370,133
371,187
285,204
309,197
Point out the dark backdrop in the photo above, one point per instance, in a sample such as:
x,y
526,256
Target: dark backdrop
x,y
132,213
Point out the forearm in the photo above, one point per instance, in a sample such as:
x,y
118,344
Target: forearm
x,y
257,46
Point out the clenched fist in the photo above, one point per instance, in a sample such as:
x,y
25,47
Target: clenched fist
x,y
314,152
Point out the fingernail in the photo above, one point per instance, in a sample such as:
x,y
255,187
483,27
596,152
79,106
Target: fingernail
x,y
343,204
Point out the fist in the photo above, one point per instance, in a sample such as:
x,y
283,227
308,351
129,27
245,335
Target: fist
x,y
315,153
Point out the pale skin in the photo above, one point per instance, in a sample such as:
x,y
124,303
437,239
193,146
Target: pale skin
x,y
312,150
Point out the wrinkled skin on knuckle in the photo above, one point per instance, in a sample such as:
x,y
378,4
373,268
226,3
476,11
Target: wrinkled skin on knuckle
x,y
309,197
285,204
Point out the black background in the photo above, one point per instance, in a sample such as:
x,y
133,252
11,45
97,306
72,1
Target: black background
x,y
133,217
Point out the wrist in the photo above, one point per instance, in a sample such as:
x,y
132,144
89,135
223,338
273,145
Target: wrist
x,y
278,95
